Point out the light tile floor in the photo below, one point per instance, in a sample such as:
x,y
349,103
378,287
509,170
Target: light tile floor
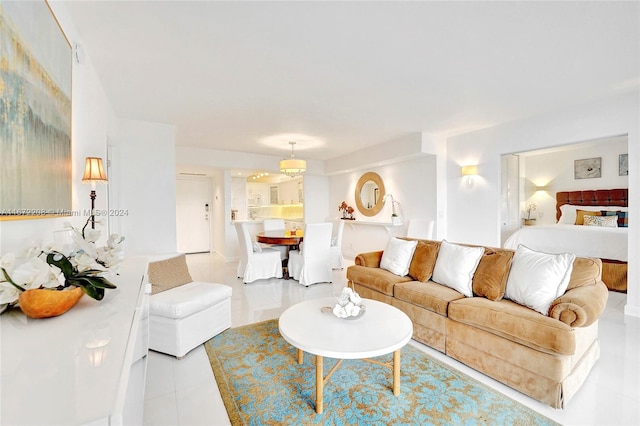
x,y
184,392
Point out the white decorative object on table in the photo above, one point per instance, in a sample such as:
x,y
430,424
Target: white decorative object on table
x,y
349,305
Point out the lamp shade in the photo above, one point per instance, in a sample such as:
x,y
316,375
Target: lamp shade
x,y
293,166
469,170
94,171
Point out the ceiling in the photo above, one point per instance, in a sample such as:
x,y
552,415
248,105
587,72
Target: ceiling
x,y
337,77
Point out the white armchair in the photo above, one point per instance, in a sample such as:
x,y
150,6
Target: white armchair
x,y
256,263
312,263
337,260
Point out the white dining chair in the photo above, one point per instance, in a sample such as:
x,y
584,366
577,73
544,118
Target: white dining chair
x,y
312,262
256,263
275,225
337,259
420,228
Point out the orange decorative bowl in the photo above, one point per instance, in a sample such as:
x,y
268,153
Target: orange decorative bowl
x,y
45,303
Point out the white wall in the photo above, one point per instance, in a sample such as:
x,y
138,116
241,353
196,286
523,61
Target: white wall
x,y
474,213
411,182
145,164
554,171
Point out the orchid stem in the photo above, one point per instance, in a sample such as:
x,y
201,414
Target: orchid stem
x,y
10,281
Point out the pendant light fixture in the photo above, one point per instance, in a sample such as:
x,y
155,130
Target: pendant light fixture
x,y
292,166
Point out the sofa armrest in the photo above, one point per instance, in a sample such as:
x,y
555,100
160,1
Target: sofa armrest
x,y
580,306
370,259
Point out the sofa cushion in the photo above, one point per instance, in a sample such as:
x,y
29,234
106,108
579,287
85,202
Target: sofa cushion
x,y
515,322
456,265
490,279
424,260
586,271
397,255
537,279
377,279
429,295
168,273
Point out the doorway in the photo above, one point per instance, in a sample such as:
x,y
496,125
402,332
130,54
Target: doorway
x,y
192,215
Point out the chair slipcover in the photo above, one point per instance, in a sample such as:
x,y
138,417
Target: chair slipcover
x,y
256,265
313,265
337,260
420,228
275,225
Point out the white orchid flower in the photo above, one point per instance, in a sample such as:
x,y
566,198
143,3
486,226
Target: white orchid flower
x,y
31,274
85,262
8,293
7,261
92,235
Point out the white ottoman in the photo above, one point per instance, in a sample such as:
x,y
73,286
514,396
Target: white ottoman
x,y
188,315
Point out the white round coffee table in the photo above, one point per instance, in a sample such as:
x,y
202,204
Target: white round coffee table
x,y
383,329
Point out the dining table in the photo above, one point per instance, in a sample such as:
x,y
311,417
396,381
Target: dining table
x,y
289,238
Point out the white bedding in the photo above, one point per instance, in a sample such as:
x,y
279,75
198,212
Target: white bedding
x,y
583,241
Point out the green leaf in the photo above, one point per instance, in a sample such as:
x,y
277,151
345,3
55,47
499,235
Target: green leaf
x,y
100,282
63,263
93,292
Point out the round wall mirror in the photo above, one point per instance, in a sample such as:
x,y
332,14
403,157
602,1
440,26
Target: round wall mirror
x,y
369,194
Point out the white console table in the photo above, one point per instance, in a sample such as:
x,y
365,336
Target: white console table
x,y
87,366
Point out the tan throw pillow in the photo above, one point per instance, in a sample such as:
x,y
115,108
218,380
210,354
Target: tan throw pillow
x,y
490,279
586,271
424,259
169,273
581,213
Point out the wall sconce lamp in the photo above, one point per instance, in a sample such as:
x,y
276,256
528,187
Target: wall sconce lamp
x,y
93,174
543,188
469,172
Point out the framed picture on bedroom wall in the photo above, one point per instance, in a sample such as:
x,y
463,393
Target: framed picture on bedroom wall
x,y
623,165
35,130
587,168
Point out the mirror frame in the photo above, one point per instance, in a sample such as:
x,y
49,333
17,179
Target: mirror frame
x,y
370,176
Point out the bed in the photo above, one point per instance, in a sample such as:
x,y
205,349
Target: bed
x,y
608,244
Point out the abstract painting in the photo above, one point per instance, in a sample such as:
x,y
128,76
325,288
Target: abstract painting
x,y
587,168
623,165
35,112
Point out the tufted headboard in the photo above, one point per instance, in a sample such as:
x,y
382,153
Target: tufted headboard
x,y
594,197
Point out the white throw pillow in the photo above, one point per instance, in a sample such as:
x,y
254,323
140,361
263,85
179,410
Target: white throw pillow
x,y
537,279
455,266
603,221
568,211
397,256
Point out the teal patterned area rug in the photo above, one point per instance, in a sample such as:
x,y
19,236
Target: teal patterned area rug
x,y
261,382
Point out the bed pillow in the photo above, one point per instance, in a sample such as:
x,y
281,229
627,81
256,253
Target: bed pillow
x,y
568,211
397,255
456,265
623,217
602,221
537,279
580,214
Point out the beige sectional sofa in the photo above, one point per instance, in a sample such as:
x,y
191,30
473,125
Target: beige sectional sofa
x,y
545,357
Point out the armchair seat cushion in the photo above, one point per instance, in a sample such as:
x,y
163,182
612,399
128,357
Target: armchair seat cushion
x,y
187,299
